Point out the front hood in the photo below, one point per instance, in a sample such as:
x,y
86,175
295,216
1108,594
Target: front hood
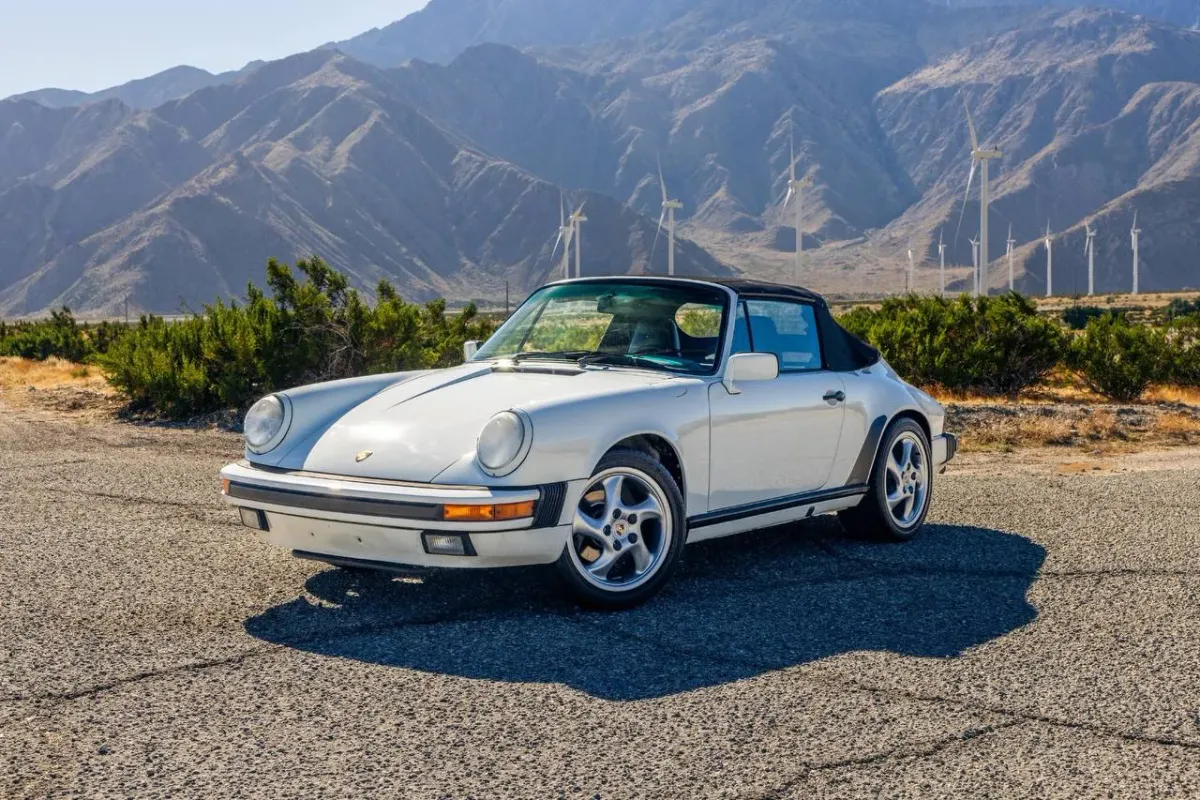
x,y
415,430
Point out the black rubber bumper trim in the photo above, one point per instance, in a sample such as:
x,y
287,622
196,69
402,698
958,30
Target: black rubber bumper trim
x,y
339,505
951,446
771,506
550,506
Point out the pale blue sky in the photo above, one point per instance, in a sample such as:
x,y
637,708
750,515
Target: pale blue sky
x,y
94,44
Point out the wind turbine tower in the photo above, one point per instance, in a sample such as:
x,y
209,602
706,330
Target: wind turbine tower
x,y
1090,249
796,190
1011,244
669,207
1135,232
908,276
942,263
1049,261
566,232
975,263
577,220
981,157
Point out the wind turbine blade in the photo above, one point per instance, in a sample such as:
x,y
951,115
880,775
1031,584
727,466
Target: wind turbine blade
x,y
562,213
662,183
791,192
657,234
557,242
1135,220
966,199
971,127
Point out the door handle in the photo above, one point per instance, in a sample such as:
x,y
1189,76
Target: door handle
x,y
835,397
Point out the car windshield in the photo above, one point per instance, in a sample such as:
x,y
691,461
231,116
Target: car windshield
x,y
671,327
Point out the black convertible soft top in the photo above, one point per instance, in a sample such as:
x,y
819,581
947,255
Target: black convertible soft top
x,y
844,352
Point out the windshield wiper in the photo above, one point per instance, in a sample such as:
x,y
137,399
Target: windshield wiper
x,y
627,359
566,355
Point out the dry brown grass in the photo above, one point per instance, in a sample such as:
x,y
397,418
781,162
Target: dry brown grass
x,y
1178,425
22,380
1020,432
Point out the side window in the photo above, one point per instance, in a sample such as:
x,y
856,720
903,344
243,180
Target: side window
x,y
741,332
789,330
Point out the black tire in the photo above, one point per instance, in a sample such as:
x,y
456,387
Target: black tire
x,y
873,518
643,467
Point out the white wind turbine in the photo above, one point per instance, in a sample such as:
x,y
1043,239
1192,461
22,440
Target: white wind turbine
x,y
1011,244
566,232
669,207
1089,249
796,190
980,157
1049,241
942,263
1135,232
577,220
908,276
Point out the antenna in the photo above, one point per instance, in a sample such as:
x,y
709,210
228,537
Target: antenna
x,y
1135,232
942,262
1049,262
1011,243
983,158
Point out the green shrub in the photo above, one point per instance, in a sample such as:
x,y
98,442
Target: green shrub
x,y
58,337
1120,359
309,330
991,345
1183,350
1179,307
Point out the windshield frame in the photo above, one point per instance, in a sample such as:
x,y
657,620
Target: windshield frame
x,y
728,303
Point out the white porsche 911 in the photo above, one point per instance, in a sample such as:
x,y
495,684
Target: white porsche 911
x,y
606,424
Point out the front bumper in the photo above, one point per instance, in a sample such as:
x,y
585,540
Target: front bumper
x,y
386,522
945,447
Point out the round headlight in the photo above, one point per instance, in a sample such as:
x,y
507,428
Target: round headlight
x,y
264,421
501,442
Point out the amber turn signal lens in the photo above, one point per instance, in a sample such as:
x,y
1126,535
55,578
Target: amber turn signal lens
x,y
487,513
515,510
224,485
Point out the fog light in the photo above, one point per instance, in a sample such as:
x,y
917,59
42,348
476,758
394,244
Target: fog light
x,y
254,518
447,544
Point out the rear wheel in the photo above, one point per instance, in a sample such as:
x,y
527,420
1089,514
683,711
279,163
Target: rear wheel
x,y
897,502
627,532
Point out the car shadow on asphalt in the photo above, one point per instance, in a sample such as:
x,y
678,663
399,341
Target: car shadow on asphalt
x,y
736,608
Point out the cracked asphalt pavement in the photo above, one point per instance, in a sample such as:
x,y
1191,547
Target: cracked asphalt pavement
x,y
1042,639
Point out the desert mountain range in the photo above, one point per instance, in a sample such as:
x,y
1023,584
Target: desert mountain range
x,y
434,152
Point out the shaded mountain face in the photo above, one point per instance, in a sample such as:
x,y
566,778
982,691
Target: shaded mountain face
x,y
316,154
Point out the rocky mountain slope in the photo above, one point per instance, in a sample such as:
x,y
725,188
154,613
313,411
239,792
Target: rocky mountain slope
x,y
150,92
443,173
1096,114
313,154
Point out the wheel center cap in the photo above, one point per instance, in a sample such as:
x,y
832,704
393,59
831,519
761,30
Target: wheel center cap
x,y
619,527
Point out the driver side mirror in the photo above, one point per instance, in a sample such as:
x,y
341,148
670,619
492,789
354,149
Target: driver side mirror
x,y
470,349
750,367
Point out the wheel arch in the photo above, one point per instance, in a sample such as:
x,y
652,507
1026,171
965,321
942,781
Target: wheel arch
x,y
661,448
864,467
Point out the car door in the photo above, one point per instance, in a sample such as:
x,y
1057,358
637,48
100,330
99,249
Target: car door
x,y
775,438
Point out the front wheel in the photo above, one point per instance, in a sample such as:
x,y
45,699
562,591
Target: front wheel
x,y
901,487
627,532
